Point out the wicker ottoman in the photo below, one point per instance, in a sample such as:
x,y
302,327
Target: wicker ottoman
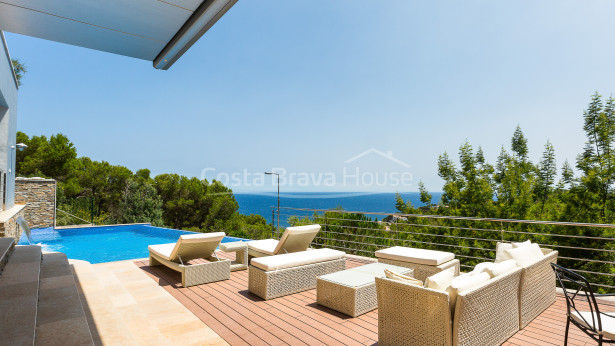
x,y
424,262
353,291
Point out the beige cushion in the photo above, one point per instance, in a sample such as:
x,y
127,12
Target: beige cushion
x,y
296,259
525,255
418,256
296,239
266,246
608,322
500,268
189,246
441,281
407,279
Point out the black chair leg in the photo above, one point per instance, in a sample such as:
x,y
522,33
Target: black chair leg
x,y
567,328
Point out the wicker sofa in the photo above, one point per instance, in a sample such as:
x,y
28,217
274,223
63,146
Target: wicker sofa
x,y
536,287
276,276
413,315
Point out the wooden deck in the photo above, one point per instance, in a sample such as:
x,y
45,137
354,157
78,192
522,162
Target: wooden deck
x,y
244,319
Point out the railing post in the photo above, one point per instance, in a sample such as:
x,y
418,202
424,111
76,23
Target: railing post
x,y
501,232
326,236
397,231
272,223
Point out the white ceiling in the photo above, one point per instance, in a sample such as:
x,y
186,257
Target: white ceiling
x,y
136,28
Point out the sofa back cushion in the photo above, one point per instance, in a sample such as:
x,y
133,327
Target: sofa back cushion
x,y
525,255
441,281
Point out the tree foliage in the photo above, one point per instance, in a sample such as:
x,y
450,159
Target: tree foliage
x,y
516,188
114,194
20,70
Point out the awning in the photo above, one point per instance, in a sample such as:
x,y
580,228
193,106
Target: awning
x,y
155,30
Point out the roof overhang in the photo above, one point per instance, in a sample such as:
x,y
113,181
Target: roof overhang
x,y
155,30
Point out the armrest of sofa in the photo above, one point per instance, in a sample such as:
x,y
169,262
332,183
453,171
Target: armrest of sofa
x,y
412,315
489,313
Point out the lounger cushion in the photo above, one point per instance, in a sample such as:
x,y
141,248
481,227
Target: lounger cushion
x,y
608,323
162,250
525,255
266,246
418,256
296,259
296,239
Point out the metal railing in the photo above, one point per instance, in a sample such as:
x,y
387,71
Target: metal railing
x,y
76,217
583,247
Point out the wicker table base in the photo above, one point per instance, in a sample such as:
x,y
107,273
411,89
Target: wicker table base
x,y
353,291
240,248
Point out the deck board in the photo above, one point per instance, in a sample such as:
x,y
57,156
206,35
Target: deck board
x,y
241,318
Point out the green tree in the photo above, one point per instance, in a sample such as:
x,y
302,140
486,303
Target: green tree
x,y
468,191
597,162
141,203
20,70
425,195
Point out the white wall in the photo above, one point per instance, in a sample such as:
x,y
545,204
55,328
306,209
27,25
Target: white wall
x,y
8,120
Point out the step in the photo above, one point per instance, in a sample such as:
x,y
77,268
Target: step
x,y
61,319
7,245
19,296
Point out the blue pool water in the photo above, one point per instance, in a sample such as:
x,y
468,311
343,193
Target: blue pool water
x,y
106,243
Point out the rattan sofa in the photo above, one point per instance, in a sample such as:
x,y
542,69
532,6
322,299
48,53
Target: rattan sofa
x,y
536,287
276,276
414,315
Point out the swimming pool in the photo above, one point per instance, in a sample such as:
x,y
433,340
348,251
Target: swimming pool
x,y
100,244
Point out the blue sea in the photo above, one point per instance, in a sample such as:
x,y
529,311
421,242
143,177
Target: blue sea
x,y
263,204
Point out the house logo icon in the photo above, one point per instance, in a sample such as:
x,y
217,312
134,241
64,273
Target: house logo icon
x,y
387,155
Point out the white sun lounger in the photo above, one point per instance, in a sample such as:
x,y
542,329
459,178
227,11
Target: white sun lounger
x,y
294,239
190,247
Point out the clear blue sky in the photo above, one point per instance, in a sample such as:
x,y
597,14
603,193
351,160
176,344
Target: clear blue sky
x,y
306,85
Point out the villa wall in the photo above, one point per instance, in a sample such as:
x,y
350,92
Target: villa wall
x,y
8,221
8,123
39,195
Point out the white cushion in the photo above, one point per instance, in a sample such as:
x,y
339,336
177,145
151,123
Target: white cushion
x,y
500,268
407,279
525,255
191,238
440,281
501,255
465,283
481,267
296,259
162,250
608,322
266,246
418,256
525,243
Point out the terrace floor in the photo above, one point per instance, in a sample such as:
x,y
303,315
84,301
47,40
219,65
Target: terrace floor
x,y
241,318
